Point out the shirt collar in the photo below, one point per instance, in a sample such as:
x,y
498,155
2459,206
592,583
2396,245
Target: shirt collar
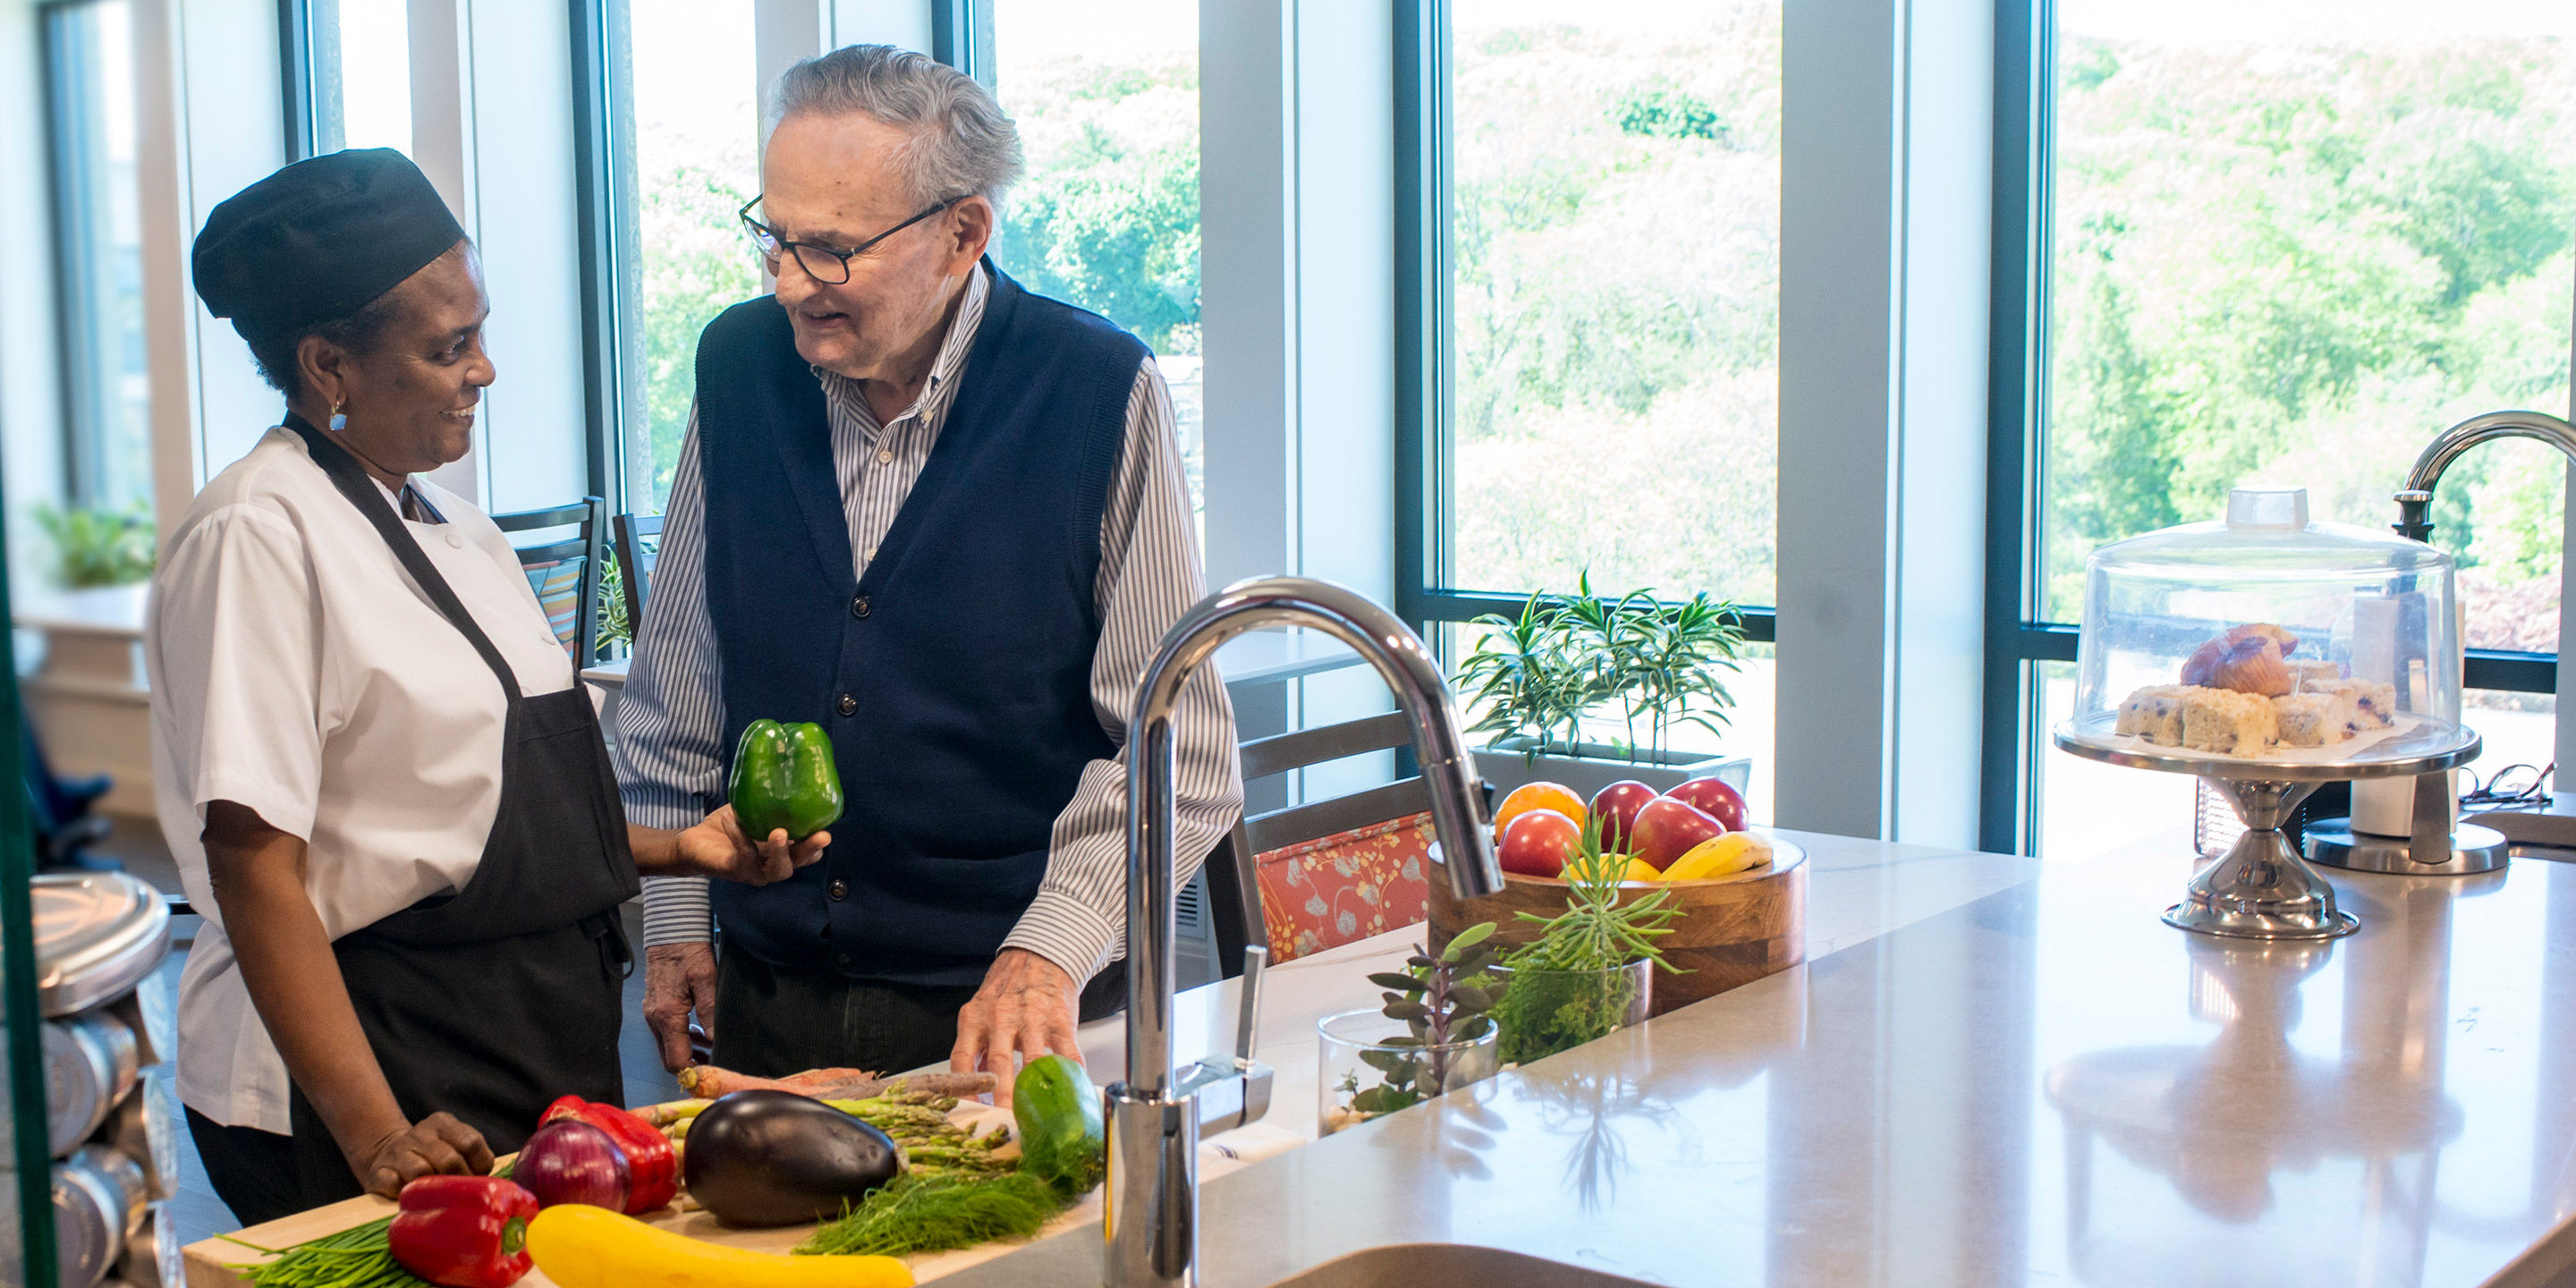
x,y
943,369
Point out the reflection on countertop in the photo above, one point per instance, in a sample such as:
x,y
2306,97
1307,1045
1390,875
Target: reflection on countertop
x,y
2046,1085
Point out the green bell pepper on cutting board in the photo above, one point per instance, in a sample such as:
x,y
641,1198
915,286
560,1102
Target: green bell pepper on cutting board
x,y
783,777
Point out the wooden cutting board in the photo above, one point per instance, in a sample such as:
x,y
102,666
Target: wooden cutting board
x,y
211,1262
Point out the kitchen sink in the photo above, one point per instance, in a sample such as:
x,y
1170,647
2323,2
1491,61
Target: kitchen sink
x,y
1438,1265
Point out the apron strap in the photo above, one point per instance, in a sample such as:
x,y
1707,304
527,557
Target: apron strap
x,y
352,480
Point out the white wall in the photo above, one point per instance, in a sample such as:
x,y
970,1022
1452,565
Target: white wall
x,y
31,410
526,208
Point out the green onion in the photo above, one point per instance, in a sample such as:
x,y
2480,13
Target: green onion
x,y
358,1257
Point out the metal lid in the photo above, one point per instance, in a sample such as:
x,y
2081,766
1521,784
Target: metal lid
x,y
98,934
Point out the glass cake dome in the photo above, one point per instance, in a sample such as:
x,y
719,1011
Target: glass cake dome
x,y
2270,637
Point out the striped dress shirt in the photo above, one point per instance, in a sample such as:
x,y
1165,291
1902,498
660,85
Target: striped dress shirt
x,y
671,719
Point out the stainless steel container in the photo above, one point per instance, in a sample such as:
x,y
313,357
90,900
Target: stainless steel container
x,y
98,934
98,1198
90,1064
144,1127
153,1257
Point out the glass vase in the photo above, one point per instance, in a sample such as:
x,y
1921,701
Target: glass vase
x,y
1543,1012
1371,1065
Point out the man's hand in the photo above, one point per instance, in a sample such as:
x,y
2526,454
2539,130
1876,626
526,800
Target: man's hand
x,y
1026,1006
717,847
679,979
436,1145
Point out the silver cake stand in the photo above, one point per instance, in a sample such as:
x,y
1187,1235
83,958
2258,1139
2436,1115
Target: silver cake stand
x,y
2261,888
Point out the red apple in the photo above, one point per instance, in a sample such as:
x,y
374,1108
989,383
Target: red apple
x,y
1538,842
1667,829
1616,806
1715,798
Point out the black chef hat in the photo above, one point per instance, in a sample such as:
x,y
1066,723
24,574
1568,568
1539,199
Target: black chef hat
x,y
319,239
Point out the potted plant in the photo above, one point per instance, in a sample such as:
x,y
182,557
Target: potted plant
x,y
1590,971
1538,675
1433,1035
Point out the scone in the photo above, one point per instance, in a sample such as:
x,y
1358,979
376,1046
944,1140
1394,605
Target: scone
x,y
2155,714
2224,720
2313,719
2374,705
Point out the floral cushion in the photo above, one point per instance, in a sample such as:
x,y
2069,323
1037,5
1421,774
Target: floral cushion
x,y
558,587
1333,890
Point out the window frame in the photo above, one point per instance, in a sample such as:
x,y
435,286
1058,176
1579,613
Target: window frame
x,y
1424,311
2018,640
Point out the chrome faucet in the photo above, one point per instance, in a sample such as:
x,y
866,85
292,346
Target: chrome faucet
x,y
1155,1115
2415,501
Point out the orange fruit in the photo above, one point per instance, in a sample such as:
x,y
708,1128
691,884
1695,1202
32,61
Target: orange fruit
x,y
1530,796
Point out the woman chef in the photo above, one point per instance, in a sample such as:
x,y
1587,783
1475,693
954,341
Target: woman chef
x,y
372,759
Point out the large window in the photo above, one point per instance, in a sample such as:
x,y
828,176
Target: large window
x,y
1590,357
1615,288
359,56
2292,245
89,62
689,151
1106,97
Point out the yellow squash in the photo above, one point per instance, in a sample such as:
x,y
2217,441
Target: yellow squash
x,y
588,1247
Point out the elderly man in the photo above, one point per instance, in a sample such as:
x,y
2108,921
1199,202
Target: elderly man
x,y
946,519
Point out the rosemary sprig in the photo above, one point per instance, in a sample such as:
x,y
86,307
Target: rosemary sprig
x,y
1596,931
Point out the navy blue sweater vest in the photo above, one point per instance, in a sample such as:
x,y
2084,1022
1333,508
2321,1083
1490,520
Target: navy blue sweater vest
x,y
955,676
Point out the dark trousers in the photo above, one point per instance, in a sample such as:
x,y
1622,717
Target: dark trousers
x,y
772,1021
254,1171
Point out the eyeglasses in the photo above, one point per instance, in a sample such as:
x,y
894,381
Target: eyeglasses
x,y
824,264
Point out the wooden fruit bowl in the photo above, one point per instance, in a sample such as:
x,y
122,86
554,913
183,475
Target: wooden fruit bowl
x,y
1733,930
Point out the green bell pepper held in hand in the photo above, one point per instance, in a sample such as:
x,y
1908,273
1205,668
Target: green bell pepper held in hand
x,y
783,777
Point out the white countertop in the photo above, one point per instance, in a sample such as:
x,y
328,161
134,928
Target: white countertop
x,y
1857,891
2043,1086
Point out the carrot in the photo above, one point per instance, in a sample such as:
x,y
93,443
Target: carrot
x,y
707,1081
826,1077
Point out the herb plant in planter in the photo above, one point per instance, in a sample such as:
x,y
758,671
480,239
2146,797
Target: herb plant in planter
x,y
1433,1035
1537,676
1589,971
98,548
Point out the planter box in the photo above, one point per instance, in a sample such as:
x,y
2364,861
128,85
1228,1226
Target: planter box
x,y
1507,765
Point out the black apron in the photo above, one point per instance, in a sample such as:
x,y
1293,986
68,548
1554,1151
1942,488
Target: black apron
x,y
491,1002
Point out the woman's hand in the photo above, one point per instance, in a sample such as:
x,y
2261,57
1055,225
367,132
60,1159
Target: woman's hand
x,y
718,847
438,1145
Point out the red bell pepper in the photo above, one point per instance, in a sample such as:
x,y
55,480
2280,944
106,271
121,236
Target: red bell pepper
x,y
653,1169
463,1231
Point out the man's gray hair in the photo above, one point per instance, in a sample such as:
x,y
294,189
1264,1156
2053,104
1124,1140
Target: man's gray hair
x,y
961,144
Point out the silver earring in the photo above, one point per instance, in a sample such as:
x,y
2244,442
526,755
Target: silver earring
x,y
339,421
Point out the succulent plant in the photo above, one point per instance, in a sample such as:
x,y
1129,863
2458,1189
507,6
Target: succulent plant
x,y
1443,1000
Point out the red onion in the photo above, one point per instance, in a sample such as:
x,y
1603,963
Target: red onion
x,y
570,1161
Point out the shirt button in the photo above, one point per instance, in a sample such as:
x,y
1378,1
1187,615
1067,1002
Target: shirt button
x,y
858,608
455,542
884,457
839,889
848,706
842,960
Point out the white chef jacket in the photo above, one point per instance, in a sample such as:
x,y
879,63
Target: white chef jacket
x,y
296,669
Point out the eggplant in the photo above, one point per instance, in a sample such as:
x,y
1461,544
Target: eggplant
x,y
762,1158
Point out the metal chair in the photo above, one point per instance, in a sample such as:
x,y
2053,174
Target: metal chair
x,y
576,613
632,533
1233,874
